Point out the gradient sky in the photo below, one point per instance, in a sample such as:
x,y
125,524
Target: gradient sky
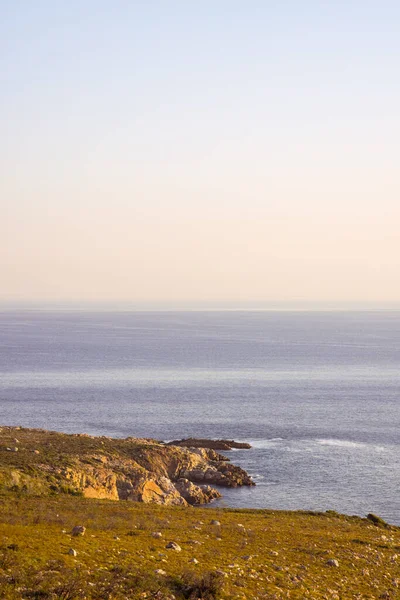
x,y
223,151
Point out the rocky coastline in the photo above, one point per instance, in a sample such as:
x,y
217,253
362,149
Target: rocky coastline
x,y
223,445
40,462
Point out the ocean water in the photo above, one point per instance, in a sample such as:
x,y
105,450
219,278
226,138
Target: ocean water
x,y
316,393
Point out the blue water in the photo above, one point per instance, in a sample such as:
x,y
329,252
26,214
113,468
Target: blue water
x,y
316,393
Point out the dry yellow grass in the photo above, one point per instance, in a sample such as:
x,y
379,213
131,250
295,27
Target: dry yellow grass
x,y
260,554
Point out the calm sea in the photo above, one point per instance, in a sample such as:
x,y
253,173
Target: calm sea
x,y
316,393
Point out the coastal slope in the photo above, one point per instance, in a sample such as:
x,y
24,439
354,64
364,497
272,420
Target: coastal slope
x,y
41,462
63,534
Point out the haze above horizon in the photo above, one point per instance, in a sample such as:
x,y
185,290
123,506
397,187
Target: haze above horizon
x,y
227,154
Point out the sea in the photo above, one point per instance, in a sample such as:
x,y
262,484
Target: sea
x,y
315,392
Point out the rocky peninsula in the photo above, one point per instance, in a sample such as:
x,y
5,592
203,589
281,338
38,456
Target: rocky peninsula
x,y
182,473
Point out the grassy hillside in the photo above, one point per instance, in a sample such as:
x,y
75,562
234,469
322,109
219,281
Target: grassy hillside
x,y
250,554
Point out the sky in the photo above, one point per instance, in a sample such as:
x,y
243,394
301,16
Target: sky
x,y
200,152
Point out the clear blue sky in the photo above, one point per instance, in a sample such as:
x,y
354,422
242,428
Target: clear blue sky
x,y
162,151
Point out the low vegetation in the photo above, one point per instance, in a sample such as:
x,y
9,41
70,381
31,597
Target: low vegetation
x,y
223,553
62,545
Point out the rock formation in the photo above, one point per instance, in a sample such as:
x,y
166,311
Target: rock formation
x,y
140,470
213,444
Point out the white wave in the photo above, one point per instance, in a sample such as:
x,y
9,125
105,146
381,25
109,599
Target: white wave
x,y
267,443
340,443
257,476
379,449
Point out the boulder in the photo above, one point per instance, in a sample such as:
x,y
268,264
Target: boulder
x,y
78,530
173,546
332,562
195,494
156,534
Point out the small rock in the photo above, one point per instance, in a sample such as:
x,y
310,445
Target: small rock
x,y
173,546
221,573
14,547
72,552
194,561
160,572
332,562
156,534
214,522
35,451
116,538
247,557
78,530
273,553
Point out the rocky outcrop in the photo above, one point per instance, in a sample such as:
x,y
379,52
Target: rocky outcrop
x,y
195,494
161,491
224,475
138,470
213,444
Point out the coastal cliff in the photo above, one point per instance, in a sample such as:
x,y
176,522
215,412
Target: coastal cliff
x,y
43,462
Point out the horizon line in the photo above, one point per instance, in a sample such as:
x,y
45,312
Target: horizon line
x,y
202,306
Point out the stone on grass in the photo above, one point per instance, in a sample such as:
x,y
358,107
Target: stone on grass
x,y
157,534
194,561
214,522
78,530
72,552
332,562
173,546
160,572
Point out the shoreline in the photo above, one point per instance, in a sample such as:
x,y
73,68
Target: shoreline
x,y
191,487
